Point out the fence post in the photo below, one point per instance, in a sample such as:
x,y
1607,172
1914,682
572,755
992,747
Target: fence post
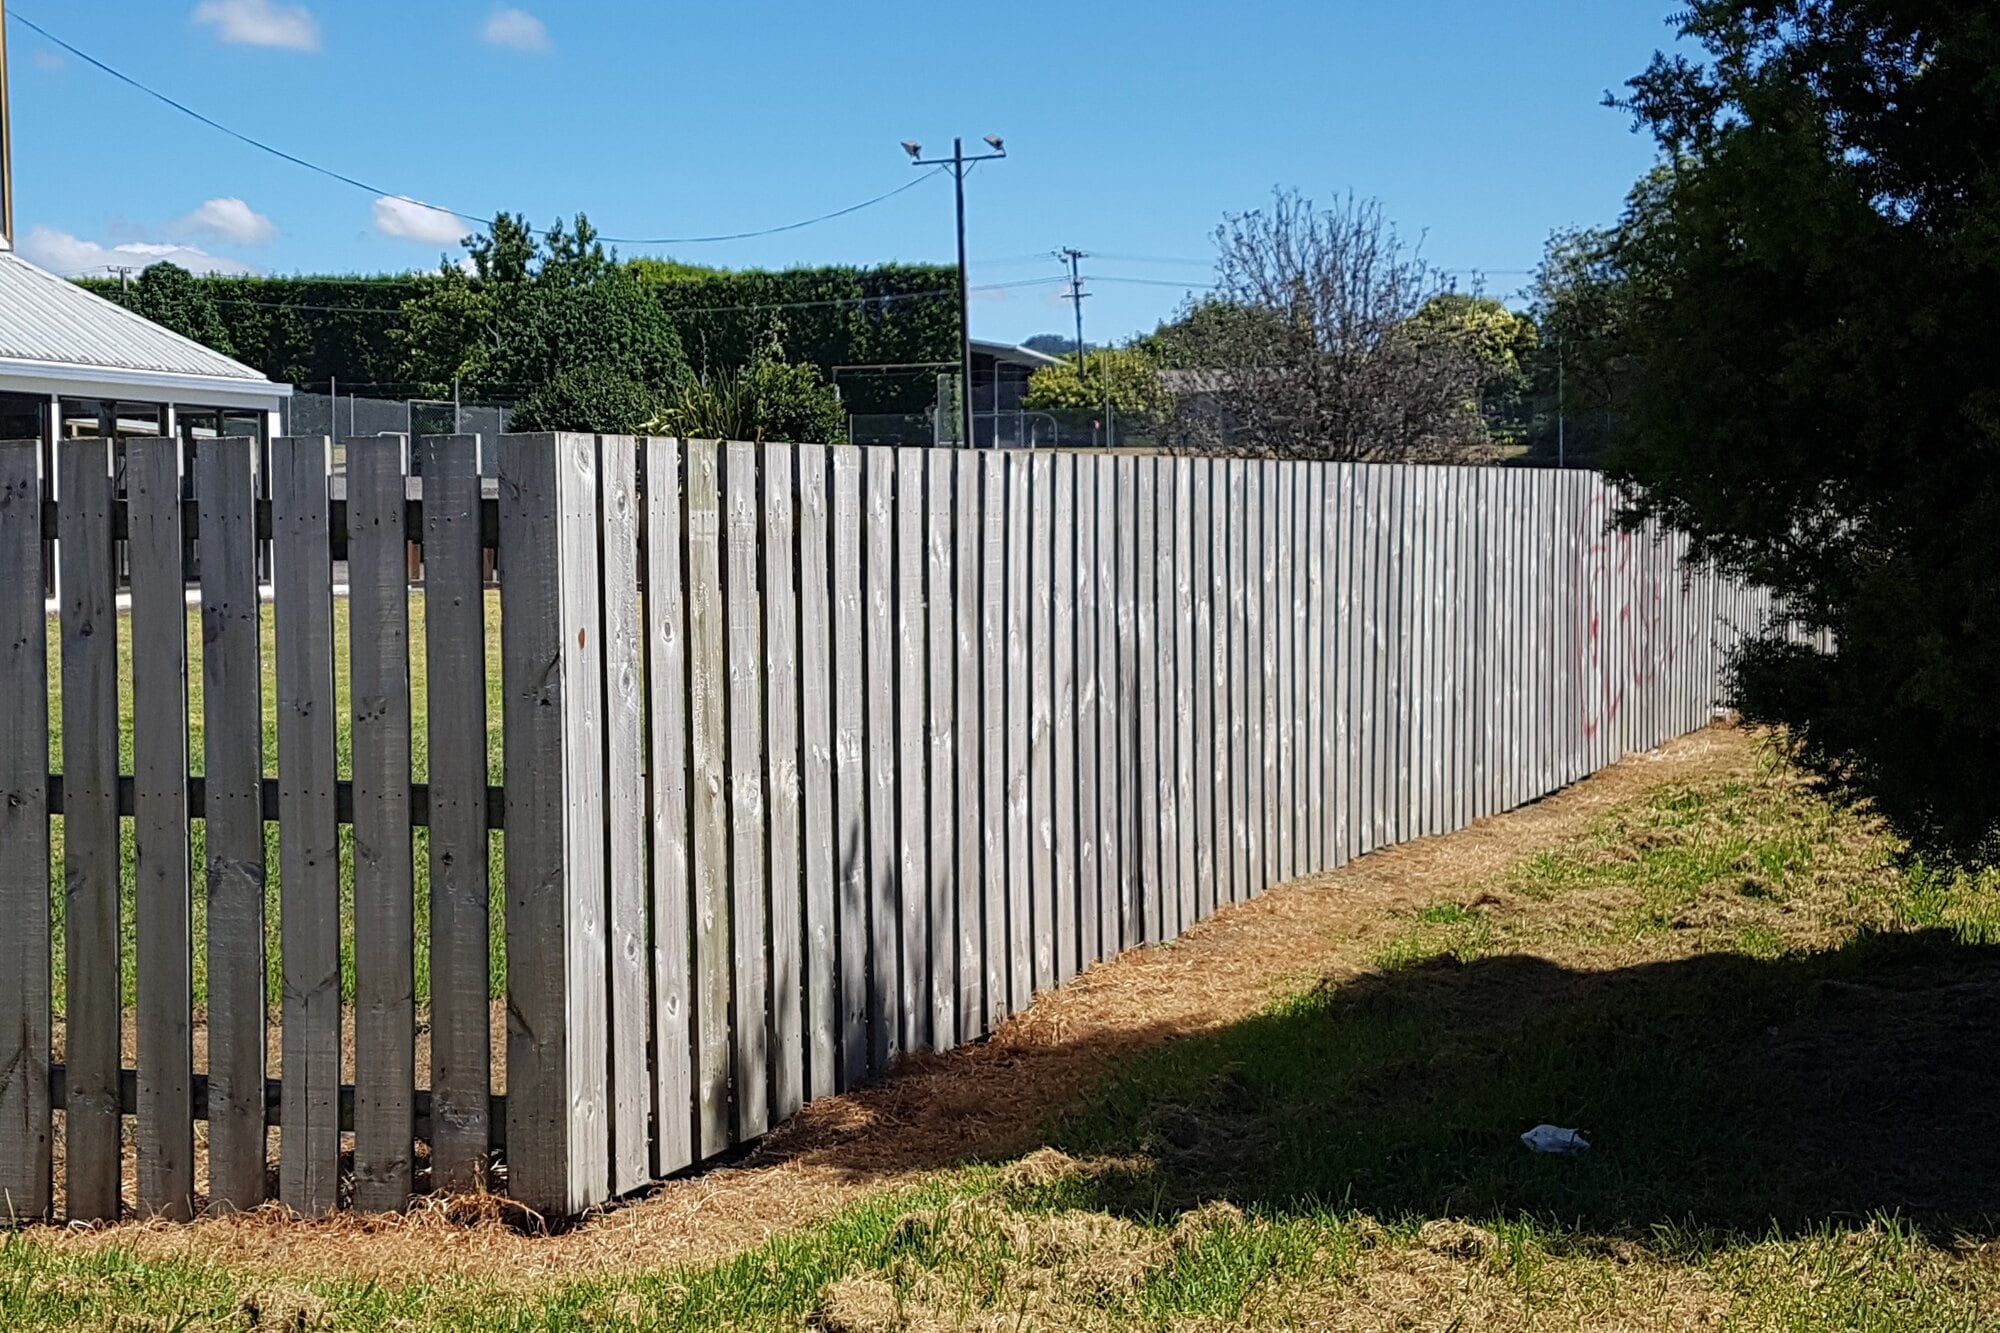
x,y
552,675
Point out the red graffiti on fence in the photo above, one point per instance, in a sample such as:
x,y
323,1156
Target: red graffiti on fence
x,y
1623,593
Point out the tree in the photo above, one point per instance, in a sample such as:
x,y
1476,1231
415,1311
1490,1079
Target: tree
x,y
1582,306
1501,343
1307,341
554,323
1138,397
171,296
1816,393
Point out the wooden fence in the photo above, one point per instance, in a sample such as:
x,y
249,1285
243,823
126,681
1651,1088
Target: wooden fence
x,y
812,756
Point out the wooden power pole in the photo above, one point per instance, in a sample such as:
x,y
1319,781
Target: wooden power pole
x,y
6,144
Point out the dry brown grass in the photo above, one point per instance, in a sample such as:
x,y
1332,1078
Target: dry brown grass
x,y
938,1110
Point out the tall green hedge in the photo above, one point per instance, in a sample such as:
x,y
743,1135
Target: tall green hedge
x,y
895,314
307,331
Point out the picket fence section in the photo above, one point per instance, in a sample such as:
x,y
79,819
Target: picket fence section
x,y
812,756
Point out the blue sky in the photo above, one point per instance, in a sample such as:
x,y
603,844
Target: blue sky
x,y
1132,128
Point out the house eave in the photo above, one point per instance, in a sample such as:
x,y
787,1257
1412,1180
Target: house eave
x,y
68,380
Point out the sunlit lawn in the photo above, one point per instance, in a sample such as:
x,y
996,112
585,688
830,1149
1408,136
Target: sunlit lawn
x,y
419,762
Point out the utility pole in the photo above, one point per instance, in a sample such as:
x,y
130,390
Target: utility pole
x,y
1072,256
959,164
124,272
6,143
1562,418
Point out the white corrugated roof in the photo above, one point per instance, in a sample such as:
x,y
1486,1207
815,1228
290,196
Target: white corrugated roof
x,y
49,319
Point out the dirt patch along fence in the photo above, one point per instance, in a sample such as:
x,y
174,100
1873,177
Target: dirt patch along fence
x,y
810,756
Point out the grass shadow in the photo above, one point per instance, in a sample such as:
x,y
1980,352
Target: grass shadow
x,y
1721,1092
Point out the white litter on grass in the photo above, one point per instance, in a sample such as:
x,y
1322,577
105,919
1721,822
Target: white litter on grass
x,y
1550,1139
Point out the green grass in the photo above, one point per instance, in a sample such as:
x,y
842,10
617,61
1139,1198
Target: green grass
x,y
1784,1046
419,759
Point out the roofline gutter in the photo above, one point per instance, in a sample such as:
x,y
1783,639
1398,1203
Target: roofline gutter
x,y
74,381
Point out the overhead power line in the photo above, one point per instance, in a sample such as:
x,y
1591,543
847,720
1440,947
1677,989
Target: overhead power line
x,y
379,191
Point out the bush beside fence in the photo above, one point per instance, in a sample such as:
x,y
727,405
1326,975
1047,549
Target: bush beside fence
x,y
812,756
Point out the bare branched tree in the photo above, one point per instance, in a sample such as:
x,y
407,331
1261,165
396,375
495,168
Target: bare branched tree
x,y
1307,348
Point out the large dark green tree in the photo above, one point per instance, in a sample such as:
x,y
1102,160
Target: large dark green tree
x,y
1812,315
553,323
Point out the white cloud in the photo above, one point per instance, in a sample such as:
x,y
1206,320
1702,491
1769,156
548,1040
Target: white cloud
x,y
232,220
419,222
60,252
518,30
261,23
49,60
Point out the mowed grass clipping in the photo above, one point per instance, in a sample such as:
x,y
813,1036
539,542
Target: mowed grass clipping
x,y
343,727
1784,1046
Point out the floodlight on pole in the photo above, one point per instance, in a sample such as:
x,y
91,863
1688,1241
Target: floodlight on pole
x,y
959,162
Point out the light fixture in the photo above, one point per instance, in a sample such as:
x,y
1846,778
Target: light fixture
x,y
913,148
998,146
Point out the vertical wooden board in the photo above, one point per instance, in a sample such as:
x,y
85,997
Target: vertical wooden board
x,y
1240,662
1110,776
1405,649
1342,641
1131,785
1471,556
90,835
1165,900
1283,552
942,995
1299,691
912,761
884,958
1146,653
1062,724
1484,626
558,1134
460,947
1270,614
1312,659
1020,955
1543,603
162,909
995,754
1088,790
748,811
818,868
1252,795
668,770
781,739
708,805
385,1052
233,768
1379,717
308,841
851,828
1186,677
26,1124
1429,622
1202,674
1041,719
1501,527
1359,651
968,535
1437,617
1454,731
1406,643
1521,661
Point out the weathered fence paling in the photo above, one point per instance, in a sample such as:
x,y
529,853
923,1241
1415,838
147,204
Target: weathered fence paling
x,y
812,756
